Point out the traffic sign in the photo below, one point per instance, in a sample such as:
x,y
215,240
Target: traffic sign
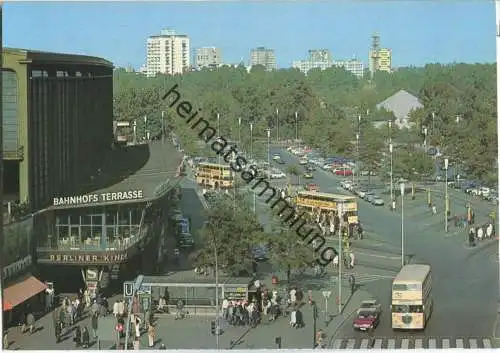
x,y
144,290
128,289
326,294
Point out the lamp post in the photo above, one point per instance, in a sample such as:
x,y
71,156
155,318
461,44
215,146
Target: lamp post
x,y
217,319
251,157
357,158
390,151
358,135
425,138
446,195
402,185
134,128
277,126
239,131
340,211
163,127
218,134
296,127
315,318
269,154
146,132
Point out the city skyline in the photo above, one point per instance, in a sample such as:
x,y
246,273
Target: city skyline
x,y
441,36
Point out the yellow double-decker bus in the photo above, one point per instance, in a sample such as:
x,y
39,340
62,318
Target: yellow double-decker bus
x,y
311,201
216,176
412,298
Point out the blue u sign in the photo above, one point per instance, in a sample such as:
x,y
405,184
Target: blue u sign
x,y
128,289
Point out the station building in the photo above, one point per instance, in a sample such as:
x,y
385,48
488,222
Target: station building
x,y
74,201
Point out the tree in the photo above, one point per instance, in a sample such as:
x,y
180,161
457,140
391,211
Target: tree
x,y
289,252
231,232
294,170
371,144
412,164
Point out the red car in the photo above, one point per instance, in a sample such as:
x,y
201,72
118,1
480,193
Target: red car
x,y
343,172
366,319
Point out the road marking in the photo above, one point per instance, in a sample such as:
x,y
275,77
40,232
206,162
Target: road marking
x,y
418,343
472,343
391,343
459,343
486,343
337,344
378,343
405,342
364,343
431,344
350,343
445,344
379,256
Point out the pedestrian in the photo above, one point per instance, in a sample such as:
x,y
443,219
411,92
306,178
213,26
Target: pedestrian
x,y
179,314
434,210
95,325
22,322
151,335
58,331
30,321
319,338
77,336
137,327
393,205
85,338
5,340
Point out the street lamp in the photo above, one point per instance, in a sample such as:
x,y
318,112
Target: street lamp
x,y
217,319
251,157
340,211
134,128
358,135
218,134
402,185
357,158
446,195
392,185
277,126
269,154
315,318
296,127
239,131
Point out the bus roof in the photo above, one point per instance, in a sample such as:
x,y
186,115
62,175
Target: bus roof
x,y
327,195
412,273
208,164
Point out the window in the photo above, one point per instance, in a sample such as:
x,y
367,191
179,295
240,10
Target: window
x,y
399,287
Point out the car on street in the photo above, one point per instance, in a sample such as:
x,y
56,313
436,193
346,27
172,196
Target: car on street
x,y
276,157
308,175
367,195
310,168
303,161
361,193
280,161
277,175
369,198
377,201
366,319
343,172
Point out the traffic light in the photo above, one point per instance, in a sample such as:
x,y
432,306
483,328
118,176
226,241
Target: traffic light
x,y
213,328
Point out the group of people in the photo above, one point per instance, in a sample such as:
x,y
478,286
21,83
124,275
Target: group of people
x,y
486,231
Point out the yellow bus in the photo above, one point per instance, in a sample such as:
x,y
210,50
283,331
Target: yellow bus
x,y
412,298
216,176
309,201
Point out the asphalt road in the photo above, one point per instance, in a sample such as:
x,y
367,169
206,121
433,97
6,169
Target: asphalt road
x,y
465,281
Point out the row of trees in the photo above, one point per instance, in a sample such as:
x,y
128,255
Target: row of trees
x,y
233,232
328,104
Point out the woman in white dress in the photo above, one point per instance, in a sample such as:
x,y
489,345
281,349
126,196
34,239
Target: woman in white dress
x,y
293,318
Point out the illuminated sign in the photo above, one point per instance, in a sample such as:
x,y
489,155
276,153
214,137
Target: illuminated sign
x,y
16,267
102,197
235,293
83,258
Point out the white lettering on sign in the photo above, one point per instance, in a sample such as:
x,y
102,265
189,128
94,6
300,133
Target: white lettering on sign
x,y
94,198
16,267
92,274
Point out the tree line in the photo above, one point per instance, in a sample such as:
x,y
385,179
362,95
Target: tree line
x,y
322,108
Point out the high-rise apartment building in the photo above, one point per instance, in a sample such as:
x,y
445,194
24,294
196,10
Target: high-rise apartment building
x,y
320,55
385,60
209,57
317,59
379,59
263,56
167,53
354,66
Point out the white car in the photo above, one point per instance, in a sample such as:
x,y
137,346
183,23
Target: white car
x,y
303,161
276,157
278,175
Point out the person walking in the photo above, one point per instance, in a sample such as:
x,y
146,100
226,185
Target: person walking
x,y
85,338
30,321
151,335
95,325
58,331
136,344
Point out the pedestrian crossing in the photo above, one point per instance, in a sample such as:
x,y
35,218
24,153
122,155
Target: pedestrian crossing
x,y
412,343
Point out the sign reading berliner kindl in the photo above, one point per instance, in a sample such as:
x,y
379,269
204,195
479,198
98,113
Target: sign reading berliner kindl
x,y
96,198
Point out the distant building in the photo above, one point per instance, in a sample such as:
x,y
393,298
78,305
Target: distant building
x,y
401,104
354,66
263,56
381,60
209,57
320,55
317,59
167,53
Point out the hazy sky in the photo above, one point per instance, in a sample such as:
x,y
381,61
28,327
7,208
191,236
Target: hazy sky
x,y
418,32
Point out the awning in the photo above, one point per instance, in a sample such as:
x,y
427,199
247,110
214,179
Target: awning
x,y
20,292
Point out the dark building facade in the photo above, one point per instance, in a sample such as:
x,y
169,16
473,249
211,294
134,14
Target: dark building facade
x,y
58,122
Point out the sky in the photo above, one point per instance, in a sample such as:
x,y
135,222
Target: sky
x,y
418,31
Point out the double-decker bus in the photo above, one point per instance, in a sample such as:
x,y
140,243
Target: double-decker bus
x,y
216,176
412,298
310,201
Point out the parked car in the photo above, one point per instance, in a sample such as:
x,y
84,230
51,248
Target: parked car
x,y
276,157
310,168
369,304
303,161
308,175
367,195
378,201
311,187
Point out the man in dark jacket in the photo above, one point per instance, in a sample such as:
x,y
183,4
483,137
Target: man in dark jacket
x,y
95,324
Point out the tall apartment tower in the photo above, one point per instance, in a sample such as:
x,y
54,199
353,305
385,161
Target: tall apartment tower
x,y
209,57
167,53
263,56
379,59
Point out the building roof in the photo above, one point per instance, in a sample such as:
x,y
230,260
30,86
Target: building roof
x,y
401,104
151,168
413,273
41,57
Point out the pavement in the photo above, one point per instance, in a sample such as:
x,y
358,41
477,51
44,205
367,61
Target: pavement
x,y
465,280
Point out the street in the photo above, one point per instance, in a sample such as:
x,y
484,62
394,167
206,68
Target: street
x,y
465,280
